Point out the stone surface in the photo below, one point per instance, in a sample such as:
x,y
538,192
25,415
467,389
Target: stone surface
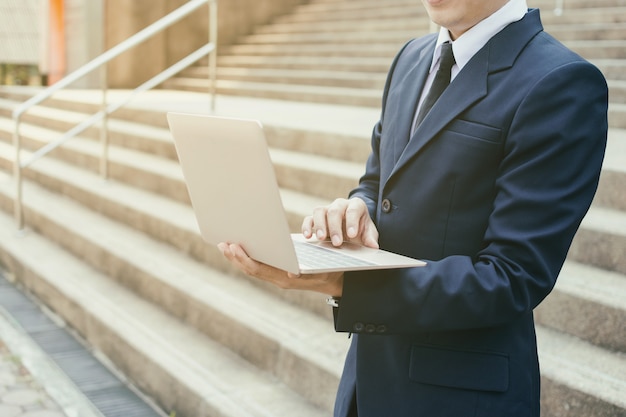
x,y
20,394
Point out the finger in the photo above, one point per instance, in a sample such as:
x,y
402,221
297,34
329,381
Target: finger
x,y
246,264
225,250
335,218
319,223
356,218
370,235
291,275
307,227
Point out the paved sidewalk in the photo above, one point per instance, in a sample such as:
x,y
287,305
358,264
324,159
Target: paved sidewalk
x,y
21,395
45,371
31,384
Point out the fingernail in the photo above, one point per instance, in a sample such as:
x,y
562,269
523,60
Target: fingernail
x,y
336,240
320,234
352,232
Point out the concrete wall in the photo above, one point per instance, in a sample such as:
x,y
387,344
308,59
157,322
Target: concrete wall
x,y
123,18
84,37
19,32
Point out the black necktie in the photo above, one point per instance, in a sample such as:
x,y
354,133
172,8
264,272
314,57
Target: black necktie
x,y
441,81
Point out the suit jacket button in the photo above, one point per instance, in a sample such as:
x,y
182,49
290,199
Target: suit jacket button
x,y
370,328
381,328
386,205
358,327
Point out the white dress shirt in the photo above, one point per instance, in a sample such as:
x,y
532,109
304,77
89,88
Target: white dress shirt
x,y
470,42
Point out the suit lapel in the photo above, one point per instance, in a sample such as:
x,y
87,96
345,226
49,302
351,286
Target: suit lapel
x,y
469,86
410,93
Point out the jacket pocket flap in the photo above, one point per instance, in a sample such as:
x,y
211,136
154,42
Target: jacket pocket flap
x,y
481,371
475,130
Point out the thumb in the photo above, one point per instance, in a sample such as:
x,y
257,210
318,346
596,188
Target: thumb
x,y
370,236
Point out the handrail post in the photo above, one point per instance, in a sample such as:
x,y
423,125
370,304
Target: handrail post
x,y
213,54
104,126
18,209
558,7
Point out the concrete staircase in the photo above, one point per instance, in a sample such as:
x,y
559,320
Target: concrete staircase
x,y
332,51
122,262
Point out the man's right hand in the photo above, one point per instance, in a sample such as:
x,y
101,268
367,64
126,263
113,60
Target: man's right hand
x,y
341,220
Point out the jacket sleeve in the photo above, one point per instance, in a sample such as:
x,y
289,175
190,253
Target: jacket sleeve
x,y
546,180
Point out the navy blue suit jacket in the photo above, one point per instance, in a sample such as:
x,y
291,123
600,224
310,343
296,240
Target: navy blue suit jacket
x,y
490,190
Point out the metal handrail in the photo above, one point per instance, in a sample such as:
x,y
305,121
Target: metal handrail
x,y
102,116
558,7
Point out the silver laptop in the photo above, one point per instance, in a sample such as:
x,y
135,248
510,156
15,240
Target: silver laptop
x,y
235,197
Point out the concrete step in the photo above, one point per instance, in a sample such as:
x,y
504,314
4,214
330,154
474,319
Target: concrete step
x,y
606,49
544,4
415,20
322,12
413,25
583,375
613,69
576,4
299,348
50,173
196,79
327,36
88,102
612,188
345,133
332,144
600,31
173,222
167,357
311,174
319,12
137,168
157,216
364,10
579,379
617,91
319,37
73,180
593,294
617,115
354,6
333,63
312,91
339,159
320,50
298,77
563,31
152,136
306,93
137,202
132,135
601,240
302,177
574,16
138,136
6,107
590,49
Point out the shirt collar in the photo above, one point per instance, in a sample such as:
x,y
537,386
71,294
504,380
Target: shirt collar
x,y
466,46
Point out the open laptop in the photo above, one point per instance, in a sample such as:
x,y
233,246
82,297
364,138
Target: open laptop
x,y
236,199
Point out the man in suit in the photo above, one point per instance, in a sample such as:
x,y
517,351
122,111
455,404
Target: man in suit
x,y
489,186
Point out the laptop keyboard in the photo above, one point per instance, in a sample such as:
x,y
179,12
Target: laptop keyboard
x,y
318,257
